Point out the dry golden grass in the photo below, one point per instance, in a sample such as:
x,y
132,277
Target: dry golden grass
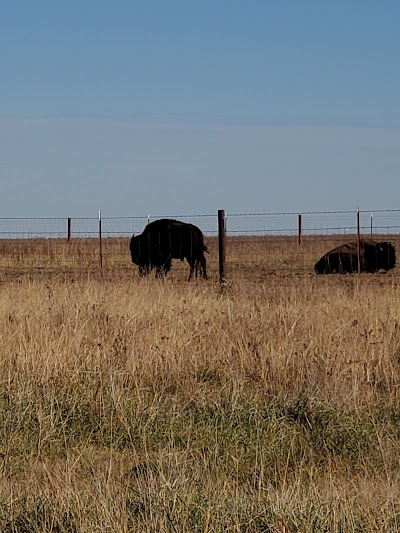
x,y
253,257
131,404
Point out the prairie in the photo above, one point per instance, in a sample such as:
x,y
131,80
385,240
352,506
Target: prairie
x,y
135,404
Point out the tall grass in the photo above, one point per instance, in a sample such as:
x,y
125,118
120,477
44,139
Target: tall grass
x,y
132,404
255,257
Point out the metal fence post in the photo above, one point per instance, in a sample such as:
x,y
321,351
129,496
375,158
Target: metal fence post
x,y
69,224
221,244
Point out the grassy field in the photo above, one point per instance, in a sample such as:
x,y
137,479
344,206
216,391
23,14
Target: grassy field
x,y
144,405
250,257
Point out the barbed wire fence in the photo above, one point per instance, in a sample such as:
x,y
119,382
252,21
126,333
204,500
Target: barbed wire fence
x,y
260,244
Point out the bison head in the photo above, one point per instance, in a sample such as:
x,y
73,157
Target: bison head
x,y
140,255
386,255
134,250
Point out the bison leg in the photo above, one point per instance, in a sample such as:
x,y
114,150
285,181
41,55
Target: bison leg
x,y
144,270
163,269
160,272
167,265
193,267
203,267
191,271
198,267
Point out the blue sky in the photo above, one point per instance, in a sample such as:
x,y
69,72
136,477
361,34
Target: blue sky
x,y
137,107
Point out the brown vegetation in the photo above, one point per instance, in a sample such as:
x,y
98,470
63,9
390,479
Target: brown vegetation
x,y
131,404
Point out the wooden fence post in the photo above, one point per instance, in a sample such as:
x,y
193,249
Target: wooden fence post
x,y
221,244
100,245
358,241
300,229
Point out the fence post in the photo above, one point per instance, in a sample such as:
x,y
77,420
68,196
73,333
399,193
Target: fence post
x,y
100,245
69,229
371,223
221,244
358,241
300,229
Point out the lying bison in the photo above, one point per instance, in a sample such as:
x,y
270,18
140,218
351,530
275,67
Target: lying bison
x,y
374,256
164,240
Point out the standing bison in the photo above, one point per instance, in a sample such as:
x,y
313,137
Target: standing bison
x,y
374,256
164,240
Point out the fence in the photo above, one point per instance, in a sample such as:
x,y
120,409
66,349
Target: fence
x,y
277,224
257,244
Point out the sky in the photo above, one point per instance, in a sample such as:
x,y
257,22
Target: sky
x,y
186,107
